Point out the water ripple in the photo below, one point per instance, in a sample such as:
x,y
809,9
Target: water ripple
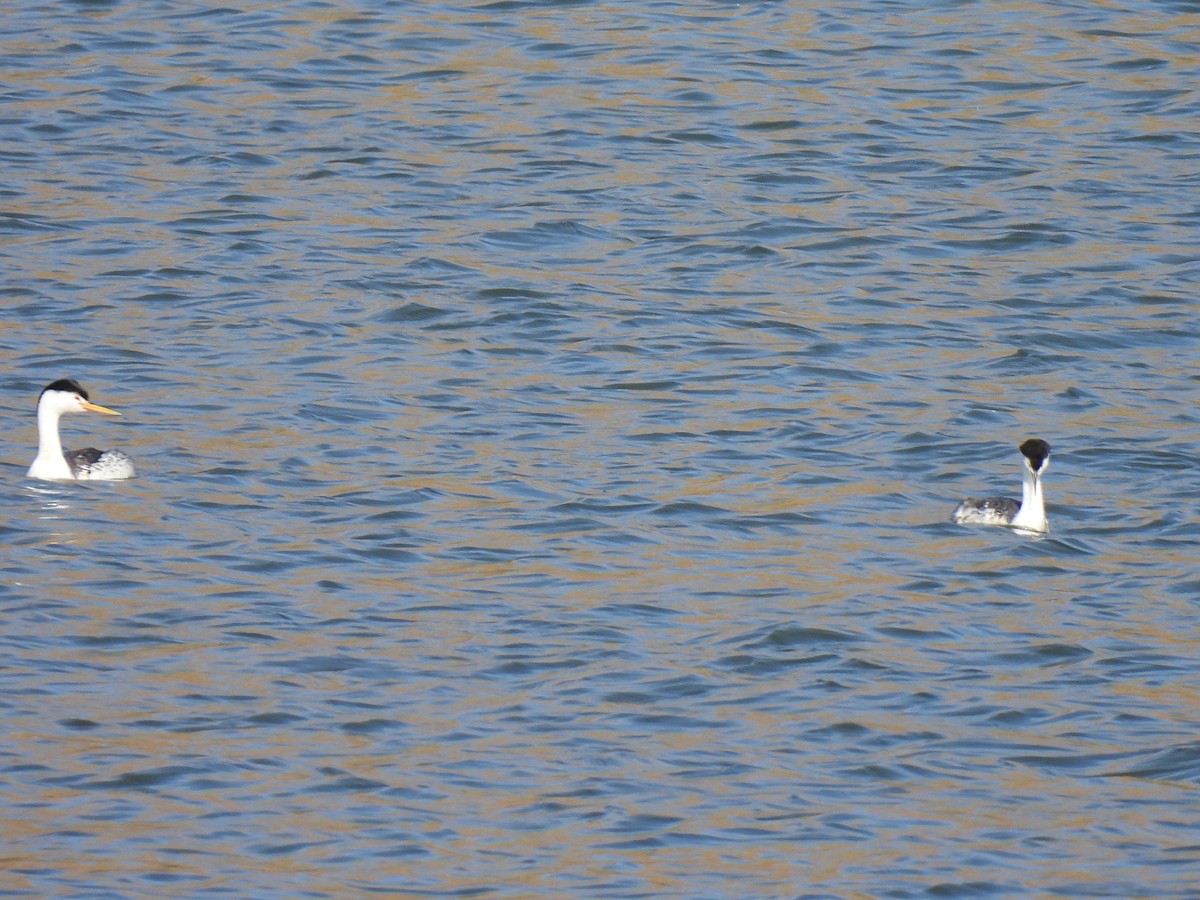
x,y
549,417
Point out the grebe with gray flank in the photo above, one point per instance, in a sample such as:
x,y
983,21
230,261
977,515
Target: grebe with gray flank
x,y
1030,513
54,463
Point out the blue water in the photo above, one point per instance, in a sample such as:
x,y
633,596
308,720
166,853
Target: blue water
x,y
548,418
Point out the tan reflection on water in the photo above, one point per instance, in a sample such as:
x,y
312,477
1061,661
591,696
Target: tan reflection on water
x,y
459,772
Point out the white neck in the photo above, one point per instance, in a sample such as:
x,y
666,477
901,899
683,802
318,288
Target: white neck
x,y
50,461
1032,514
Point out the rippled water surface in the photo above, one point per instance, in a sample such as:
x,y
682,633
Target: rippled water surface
x,y
548,417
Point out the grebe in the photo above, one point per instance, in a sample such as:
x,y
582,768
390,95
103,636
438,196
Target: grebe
x,y
1030,513
52,462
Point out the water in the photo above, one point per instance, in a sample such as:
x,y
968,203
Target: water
x,y
548,418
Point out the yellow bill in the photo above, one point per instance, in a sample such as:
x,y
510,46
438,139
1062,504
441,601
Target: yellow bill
x,y
96,407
